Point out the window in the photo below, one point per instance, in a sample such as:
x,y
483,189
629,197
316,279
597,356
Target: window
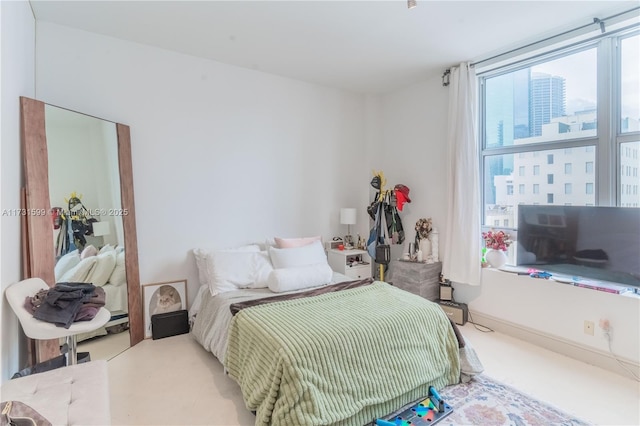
x,y
541,115
509,189
505,223
630,80
588,167
567,168
629,159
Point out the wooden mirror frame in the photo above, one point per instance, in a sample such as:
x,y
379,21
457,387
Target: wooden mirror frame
x,y
40,261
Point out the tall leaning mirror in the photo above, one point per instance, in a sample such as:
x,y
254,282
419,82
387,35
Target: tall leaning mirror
x,y
78,168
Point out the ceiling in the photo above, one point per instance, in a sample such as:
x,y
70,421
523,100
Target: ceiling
x,y
361,46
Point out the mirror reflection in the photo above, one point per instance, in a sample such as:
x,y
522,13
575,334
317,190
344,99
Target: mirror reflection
x,y
88,234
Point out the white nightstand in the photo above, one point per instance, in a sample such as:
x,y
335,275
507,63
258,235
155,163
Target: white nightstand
x,y
352,263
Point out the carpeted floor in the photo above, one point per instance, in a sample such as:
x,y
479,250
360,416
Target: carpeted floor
x,y
487,402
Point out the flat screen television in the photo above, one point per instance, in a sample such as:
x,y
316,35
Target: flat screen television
x,y
600,243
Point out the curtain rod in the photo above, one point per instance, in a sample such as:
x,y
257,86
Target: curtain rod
x,y
596,21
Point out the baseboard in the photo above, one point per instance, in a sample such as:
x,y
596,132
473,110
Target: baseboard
x,y
573,350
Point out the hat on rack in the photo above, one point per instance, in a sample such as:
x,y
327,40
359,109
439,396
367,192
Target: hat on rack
x,y
375,182
402,195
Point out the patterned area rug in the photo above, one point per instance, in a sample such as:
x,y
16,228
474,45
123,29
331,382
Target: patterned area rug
x,y
484,401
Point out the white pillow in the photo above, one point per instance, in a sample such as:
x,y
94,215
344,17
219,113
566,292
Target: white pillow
x,y
230,270
119,275
105,264
65,263
289,279
108,247
262,269
297,256
203,261
80,272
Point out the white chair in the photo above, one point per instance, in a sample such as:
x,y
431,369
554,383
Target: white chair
x,y
42,330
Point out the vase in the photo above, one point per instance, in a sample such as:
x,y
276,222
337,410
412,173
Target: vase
x,y
496,258
425,247
433,237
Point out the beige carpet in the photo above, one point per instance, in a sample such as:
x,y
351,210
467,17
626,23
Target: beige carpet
x,y
174,381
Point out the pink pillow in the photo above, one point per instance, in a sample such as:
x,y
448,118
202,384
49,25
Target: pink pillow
x,y
88,252
295,242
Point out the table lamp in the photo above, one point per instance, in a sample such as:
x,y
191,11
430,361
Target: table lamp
x,y
348,217
100,229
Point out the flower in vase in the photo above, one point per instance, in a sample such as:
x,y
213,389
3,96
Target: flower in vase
x,y
423,228
499,240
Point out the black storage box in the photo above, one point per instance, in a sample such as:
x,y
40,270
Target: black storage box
x,y
169,324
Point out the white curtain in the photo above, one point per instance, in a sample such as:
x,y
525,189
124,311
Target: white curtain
x,y
462,254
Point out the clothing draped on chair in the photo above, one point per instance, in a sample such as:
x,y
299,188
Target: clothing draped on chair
x,y
461,259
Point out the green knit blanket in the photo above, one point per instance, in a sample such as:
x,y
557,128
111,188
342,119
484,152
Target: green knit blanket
x,y
341,358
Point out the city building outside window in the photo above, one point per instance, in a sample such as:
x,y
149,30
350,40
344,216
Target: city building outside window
x,y
567,168
568,187
588,167
554,107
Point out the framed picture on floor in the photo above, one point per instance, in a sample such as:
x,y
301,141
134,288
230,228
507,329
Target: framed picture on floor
x,y
160,298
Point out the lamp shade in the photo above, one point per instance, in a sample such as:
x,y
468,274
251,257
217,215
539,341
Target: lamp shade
x,y
101,228
348,216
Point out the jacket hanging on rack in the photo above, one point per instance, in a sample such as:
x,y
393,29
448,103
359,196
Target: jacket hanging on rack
x,y
75,225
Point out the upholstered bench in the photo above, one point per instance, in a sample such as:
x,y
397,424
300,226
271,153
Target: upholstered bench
x,y
72,395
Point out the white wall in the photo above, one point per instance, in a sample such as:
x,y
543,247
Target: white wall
x,y
413,151
557,310
221,155
17,79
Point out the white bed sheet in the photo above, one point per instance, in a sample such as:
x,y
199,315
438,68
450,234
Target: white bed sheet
x,y
213,314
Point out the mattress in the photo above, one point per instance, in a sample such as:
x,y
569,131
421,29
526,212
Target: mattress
x,y
213,316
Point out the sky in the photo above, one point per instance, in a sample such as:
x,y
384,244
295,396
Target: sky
x,y
580,73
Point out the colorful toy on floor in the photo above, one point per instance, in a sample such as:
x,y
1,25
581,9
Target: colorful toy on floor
x,y
425,411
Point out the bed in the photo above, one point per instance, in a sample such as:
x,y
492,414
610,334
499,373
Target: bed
x,y
310,346
104,268
342,357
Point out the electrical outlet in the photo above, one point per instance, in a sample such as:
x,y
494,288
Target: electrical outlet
x,y
588,327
